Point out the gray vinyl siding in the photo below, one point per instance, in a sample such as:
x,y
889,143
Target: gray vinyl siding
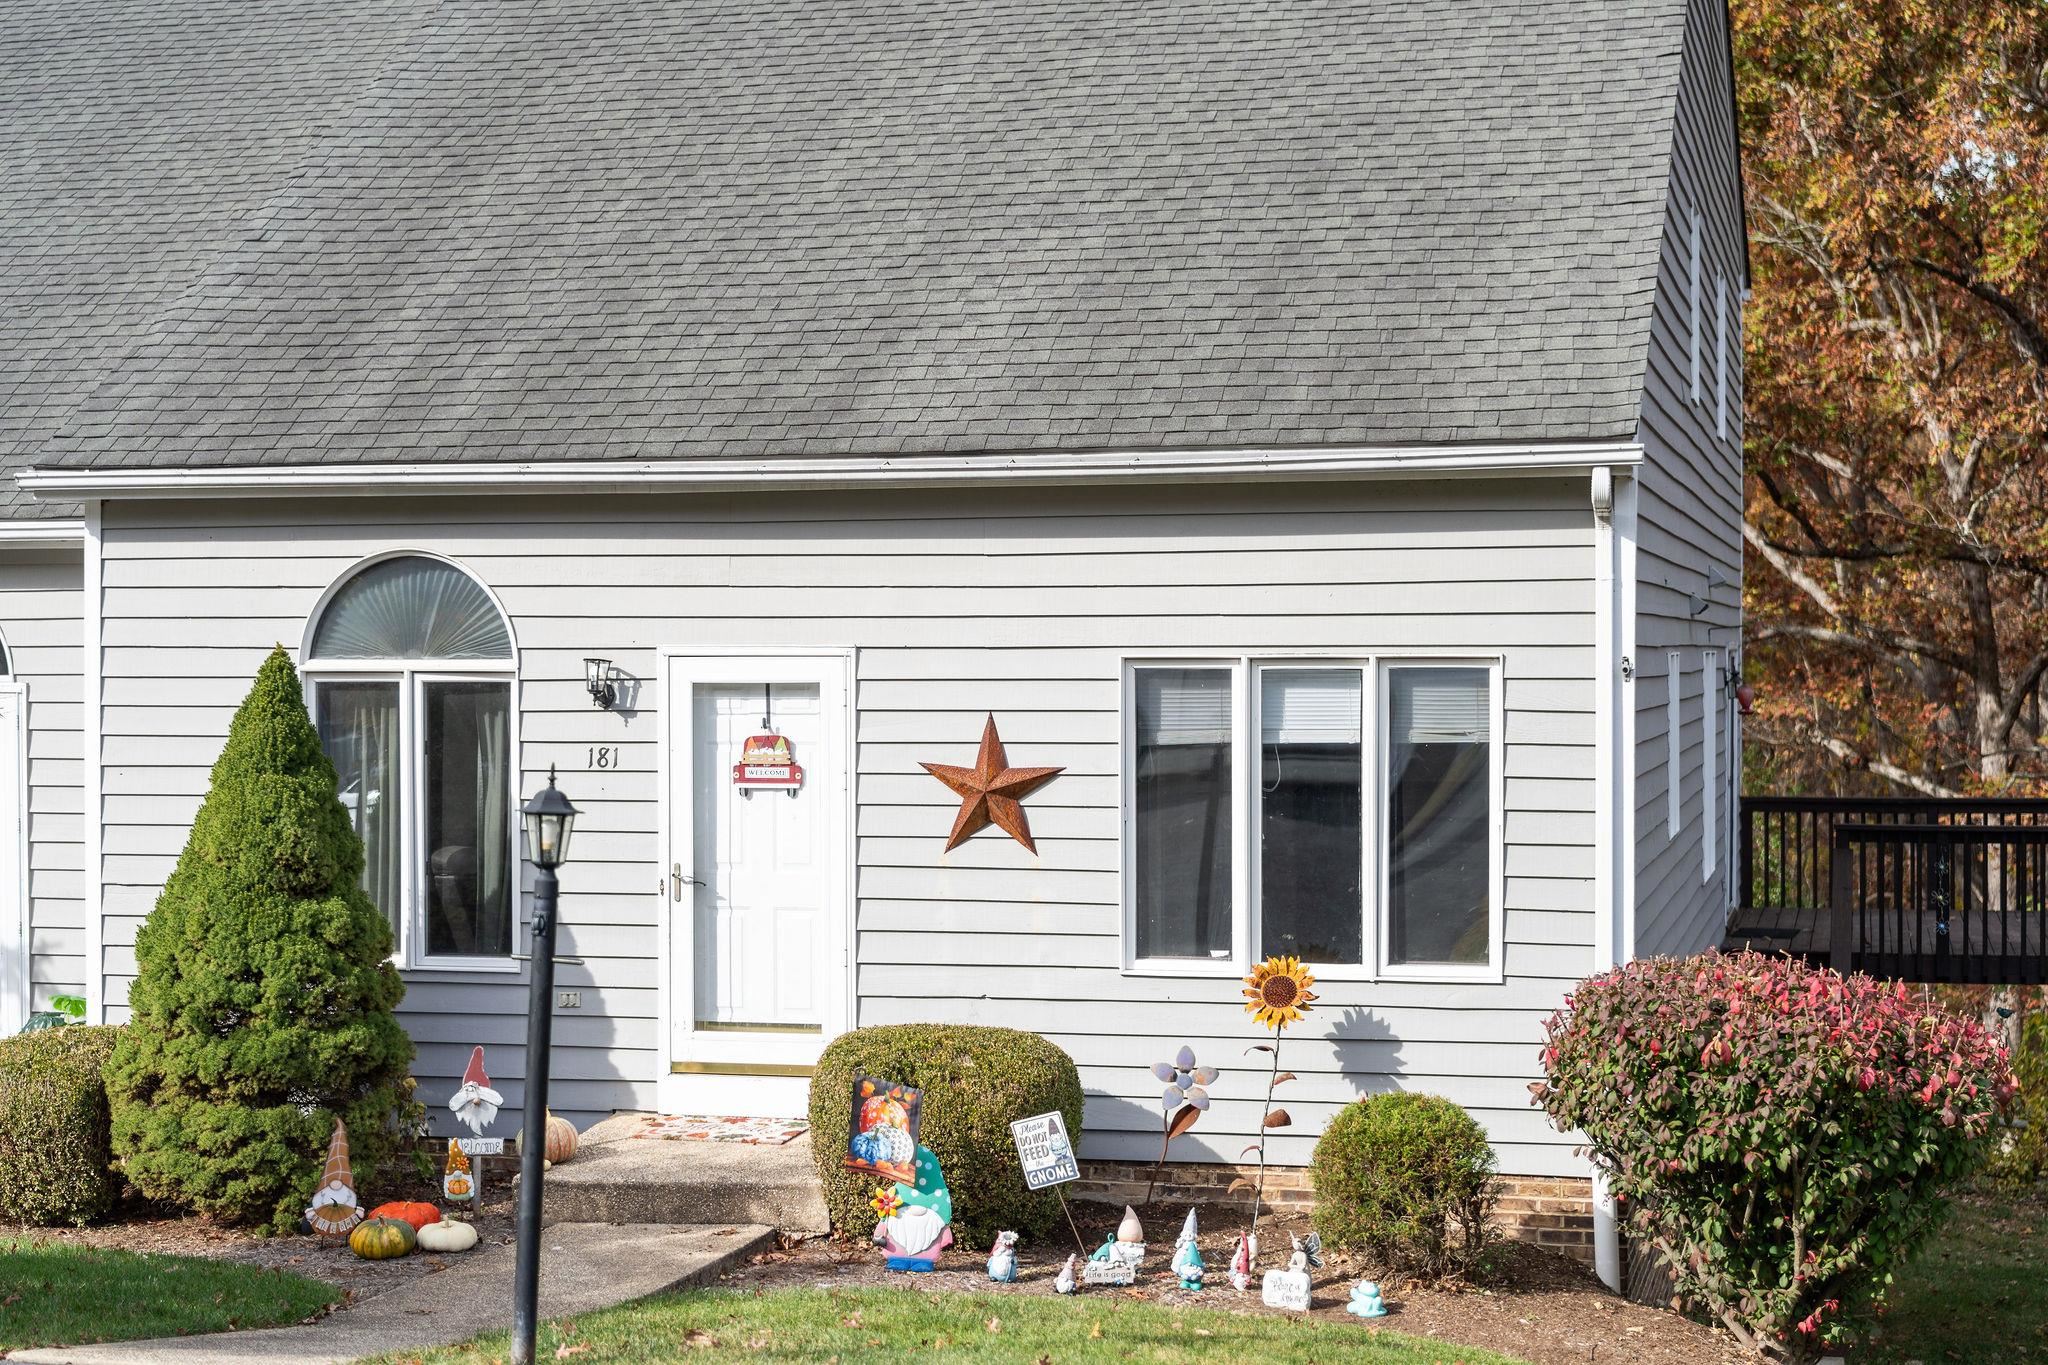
x,y
1690,508
955,610
41,596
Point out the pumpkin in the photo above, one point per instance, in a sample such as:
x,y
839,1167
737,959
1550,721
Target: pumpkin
x,y
412,1211
561,1140
382,1239
445,1236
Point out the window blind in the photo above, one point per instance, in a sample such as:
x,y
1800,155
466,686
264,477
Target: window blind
x,y
1183,706
1310,705
1439,706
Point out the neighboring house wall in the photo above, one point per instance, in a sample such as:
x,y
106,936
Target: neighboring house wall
x,y
41,592
1690,509
956,610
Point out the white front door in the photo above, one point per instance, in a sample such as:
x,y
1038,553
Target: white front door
x,y
759,910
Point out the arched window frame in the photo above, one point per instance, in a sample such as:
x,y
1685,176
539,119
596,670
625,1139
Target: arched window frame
x,y
412,676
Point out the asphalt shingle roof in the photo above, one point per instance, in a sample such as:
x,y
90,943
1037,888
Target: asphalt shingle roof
x,y
562,229
135,138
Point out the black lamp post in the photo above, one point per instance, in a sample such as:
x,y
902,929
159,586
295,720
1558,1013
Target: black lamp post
x,y
549,818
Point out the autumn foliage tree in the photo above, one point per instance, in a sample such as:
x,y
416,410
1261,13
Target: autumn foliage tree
x,y
1896,164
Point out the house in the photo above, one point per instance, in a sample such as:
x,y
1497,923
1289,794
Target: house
x,y
1313,428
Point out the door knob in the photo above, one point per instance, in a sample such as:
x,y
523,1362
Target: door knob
x,y
677,881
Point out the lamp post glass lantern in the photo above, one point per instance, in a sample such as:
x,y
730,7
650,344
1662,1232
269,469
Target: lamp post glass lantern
x,y
549,818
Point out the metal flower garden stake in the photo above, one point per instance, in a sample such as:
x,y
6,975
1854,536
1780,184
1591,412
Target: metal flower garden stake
x,y
1277,994
1186,1098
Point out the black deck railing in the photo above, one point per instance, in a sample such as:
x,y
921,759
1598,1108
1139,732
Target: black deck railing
x,y
1918,888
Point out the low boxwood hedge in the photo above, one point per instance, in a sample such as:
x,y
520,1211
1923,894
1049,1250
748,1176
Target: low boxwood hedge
x,y
56,1151
1408,1178
975,1082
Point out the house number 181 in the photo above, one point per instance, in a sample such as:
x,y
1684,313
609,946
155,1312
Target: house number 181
x,y
604,756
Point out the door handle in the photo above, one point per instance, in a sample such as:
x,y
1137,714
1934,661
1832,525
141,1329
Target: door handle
x,y
677,881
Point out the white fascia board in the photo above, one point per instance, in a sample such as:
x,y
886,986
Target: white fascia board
x,y
905,471
41,534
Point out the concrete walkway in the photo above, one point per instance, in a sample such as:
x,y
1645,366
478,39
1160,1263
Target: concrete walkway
x,y
586,1266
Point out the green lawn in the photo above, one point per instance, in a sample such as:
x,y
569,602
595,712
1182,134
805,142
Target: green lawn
x,y
894,1325
1978,1295
57,1294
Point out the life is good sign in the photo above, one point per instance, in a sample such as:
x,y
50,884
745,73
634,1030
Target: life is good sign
x,y
1044,1151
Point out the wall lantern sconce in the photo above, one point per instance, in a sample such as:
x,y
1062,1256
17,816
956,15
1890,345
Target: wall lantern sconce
x,y
1745,699
600,676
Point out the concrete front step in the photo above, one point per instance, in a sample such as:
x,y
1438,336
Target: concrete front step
x,y
617,1178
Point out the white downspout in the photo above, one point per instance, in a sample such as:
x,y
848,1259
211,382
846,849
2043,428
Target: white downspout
x,y
1614,509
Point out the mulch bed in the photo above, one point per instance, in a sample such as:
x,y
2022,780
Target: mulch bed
x,y
137,1225
1536,1305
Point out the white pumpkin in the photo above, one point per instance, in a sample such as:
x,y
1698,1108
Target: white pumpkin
x,y
445,1236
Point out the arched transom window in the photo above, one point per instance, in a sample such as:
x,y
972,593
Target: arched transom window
x,y
411,667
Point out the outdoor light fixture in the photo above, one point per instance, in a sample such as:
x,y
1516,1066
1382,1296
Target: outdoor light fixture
x,y
601,678
549,818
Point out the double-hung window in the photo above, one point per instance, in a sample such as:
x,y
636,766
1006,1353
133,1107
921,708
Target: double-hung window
x,y
410,666
1346,811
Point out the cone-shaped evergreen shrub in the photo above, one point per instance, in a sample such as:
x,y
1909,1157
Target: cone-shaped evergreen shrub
x,y
263,1000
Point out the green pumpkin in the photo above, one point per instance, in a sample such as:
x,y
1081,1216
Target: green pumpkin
x,y
381,1239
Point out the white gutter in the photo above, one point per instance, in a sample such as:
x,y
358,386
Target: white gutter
x,y
895,471
38,535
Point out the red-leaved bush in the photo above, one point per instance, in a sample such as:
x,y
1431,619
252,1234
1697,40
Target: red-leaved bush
x,y
1779,1134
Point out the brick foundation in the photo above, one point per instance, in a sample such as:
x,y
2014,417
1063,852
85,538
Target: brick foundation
x,y
1555,1213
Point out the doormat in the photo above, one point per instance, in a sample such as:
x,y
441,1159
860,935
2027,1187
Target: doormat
x,y
704,1128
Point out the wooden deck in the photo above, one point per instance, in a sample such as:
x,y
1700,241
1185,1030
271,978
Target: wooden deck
x,y
1984,946
1796,930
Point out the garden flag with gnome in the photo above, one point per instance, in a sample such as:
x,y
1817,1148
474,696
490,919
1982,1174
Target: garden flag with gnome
x,y
475,1104
334,1209
914,1222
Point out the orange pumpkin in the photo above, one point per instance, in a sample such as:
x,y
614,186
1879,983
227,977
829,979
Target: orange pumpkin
x,y
561,1140
408,1211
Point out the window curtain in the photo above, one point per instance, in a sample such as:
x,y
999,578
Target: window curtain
x,y
468,835
359,731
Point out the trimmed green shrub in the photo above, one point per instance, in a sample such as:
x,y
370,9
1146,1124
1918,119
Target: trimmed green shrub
x,y
56,1152
1410,1179
262,1008
976,1081
1780,1136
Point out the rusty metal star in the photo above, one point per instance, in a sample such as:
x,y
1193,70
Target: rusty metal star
x,y
991,792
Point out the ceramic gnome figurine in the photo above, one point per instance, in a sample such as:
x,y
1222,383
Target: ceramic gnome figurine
x,y
1241,1264
334,1209
1117,1260
916,1221
474,1103
1002,1262
1188,1267
1365,1301
1065,1283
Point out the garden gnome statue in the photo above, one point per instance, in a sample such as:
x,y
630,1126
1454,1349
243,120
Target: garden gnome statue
x,y
916,1221
1187,1257
1002,1262
1365,1301
1065,1283
335,1210
1130,1237
475,1104
1241,1264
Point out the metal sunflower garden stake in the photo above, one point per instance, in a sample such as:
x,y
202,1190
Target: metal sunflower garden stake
x,y
1276,994
1185,1099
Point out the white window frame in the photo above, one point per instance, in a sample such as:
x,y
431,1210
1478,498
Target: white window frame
x,y
1674,744
1246,766
1720,357
411,676
1710,776
1696,270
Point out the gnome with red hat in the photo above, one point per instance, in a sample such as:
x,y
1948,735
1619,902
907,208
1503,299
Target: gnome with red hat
x,y
475,1105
